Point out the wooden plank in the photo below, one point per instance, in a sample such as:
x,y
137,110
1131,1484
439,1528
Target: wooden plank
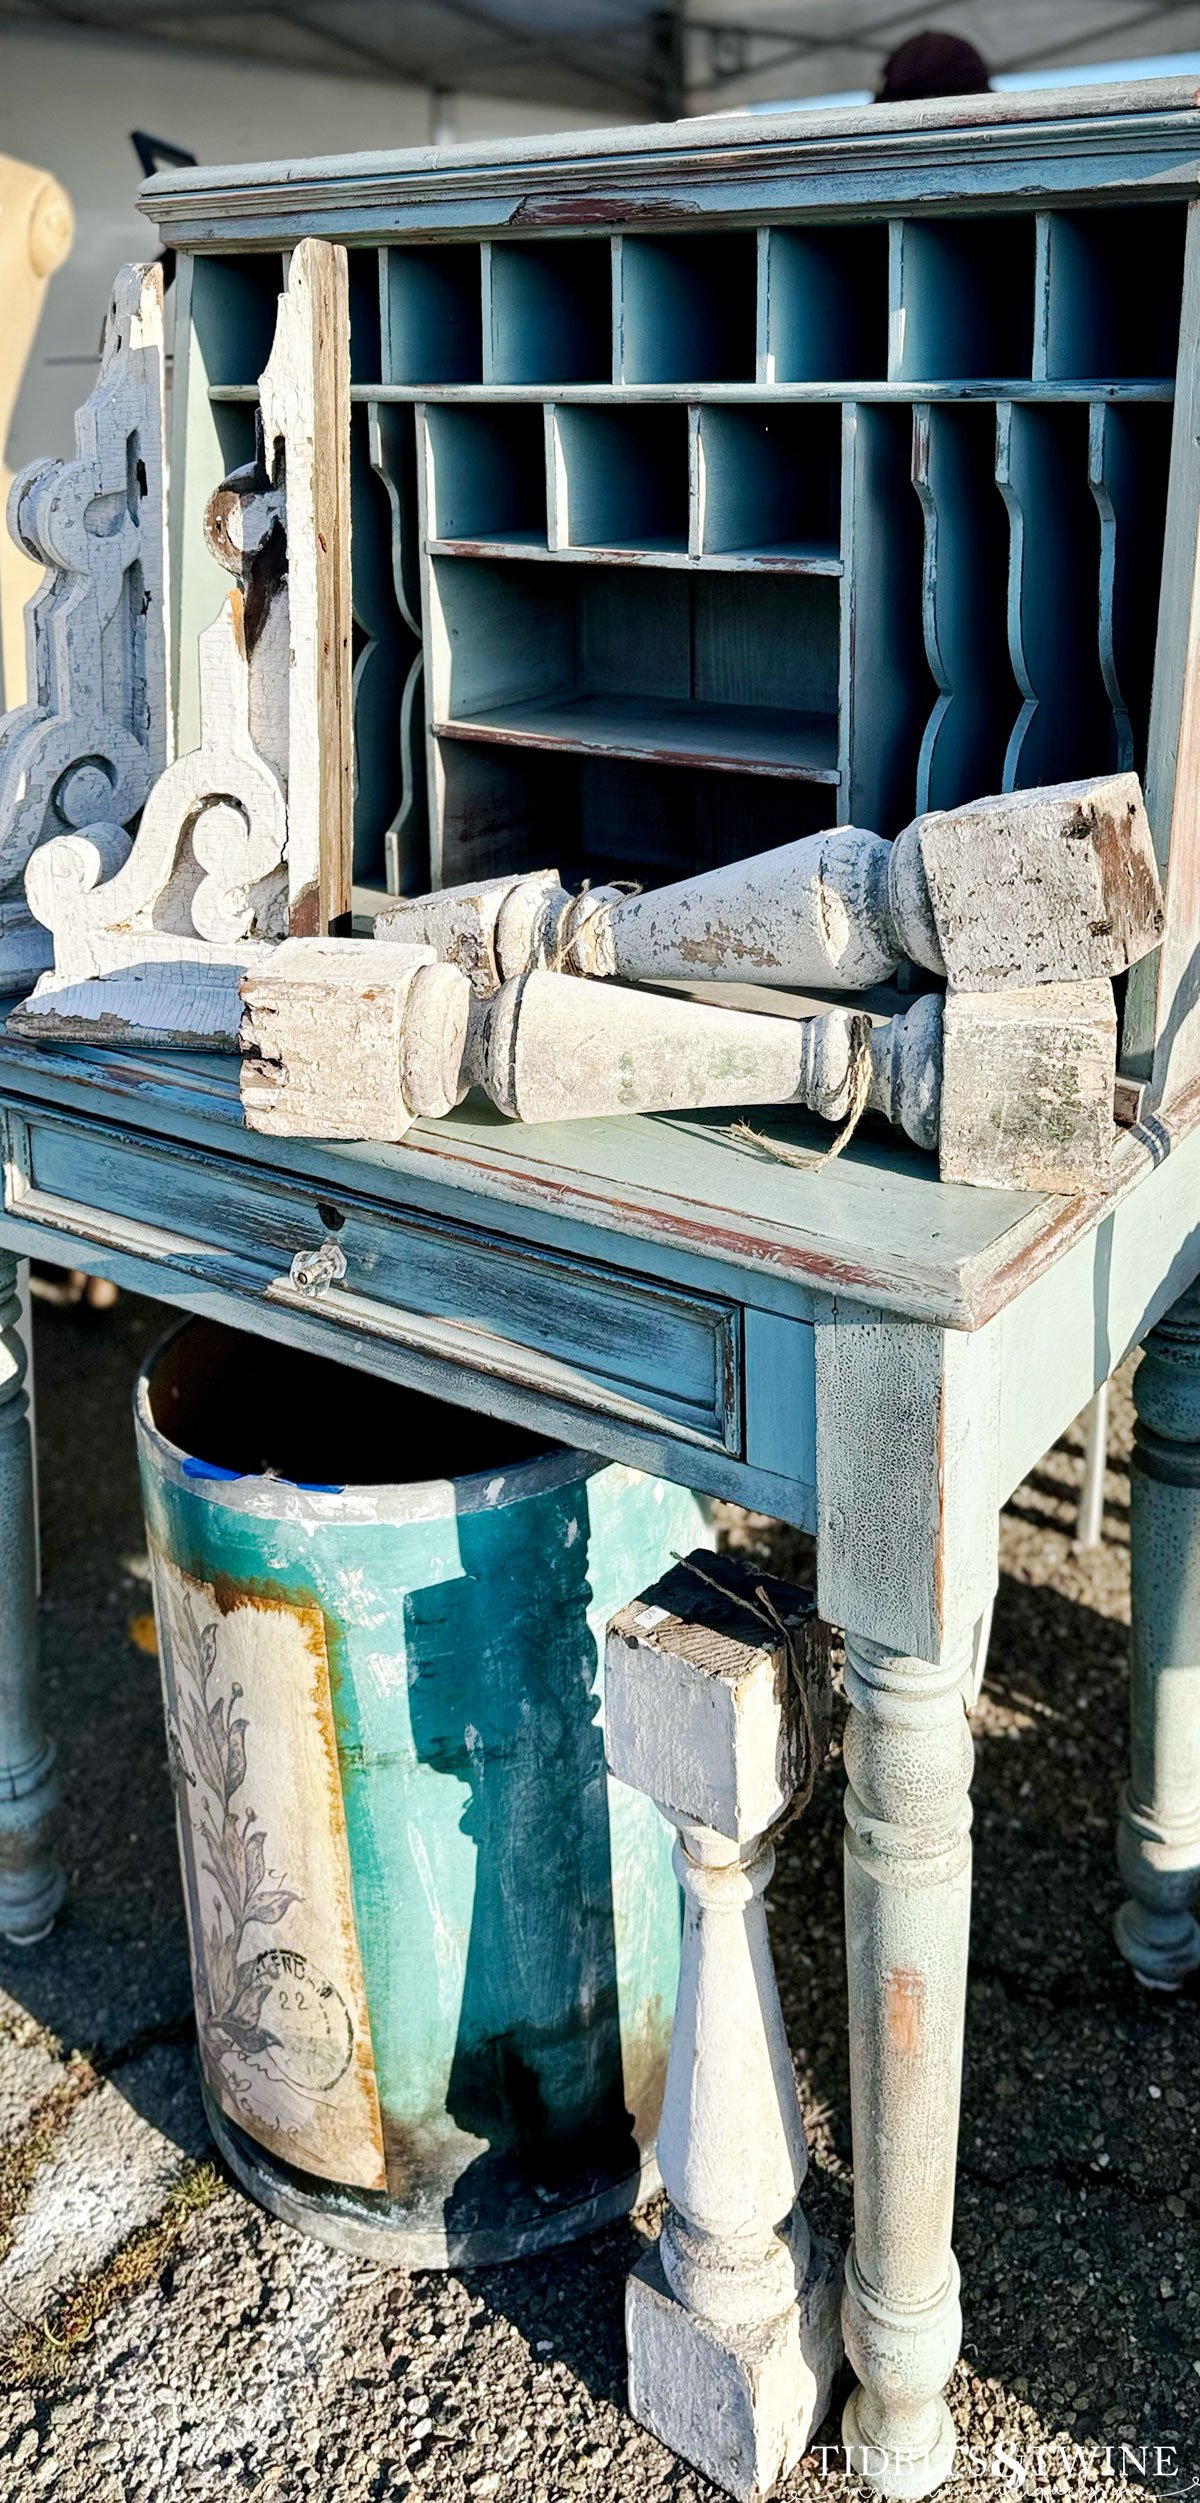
x,y
1097,1301
780,1378
305,409
1162,1008
1028,147
769,395
886,689
964,602
907,1479
734,738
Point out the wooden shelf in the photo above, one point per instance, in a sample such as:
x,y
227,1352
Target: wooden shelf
x,y
739,738
718,395
815,558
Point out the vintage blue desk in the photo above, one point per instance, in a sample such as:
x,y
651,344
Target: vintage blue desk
x,y
877,501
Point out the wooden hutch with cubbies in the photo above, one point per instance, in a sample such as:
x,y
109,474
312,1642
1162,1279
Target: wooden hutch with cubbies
x,y
711,486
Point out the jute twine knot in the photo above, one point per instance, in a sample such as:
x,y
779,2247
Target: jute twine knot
x,y
859,1090
763,1607
571,921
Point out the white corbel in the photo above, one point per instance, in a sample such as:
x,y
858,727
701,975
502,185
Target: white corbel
x,y
246,839
96,729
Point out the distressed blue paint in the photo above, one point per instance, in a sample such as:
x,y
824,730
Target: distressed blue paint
x,y
517,1913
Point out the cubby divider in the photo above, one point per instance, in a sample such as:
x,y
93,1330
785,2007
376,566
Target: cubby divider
x,y
737,671
1065,726
591,815
234,303
887,690
390,804
485,473
1109,287
620,478
623,605
432,313
686,308
1128,467
547,312
965,604
823,303
768,483
962,292
366,316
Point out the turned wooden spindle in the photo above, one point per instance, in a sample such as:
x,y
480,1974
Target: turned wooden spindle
x,y
32,1883
717,1707
908,1754
1051,885
354,1038
1158,1839
1014,1089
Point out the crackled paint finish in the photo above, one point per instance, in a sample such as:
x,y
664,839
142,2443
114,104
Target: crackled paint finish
x,y
908,1754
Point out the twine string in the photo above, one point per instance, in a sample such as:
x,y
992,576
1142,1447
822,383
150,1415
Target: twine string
x,y
859,1086
570,923
763,1607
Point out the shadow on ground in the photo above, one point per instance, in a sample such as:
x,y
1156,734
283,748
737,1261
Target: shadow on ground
x,y
250,2362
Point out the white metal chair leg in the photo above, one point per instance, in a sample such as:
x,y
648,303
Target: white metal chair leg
x,y
1090,1526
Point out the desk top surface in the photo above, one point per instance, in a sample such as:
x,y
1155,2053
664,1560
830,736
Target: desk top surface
x,y
876,1224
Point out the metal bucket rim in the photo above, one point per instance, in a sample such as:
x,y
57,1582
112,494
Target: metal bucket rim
x,y
413,1499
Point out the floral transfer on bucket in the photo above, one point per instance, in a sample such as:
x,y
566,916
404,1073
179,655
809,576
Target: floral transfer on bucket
x,y
284,2039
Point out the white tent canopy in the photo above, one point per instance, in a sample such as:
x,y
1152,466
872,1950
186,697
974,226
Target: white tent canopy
x,y
623,59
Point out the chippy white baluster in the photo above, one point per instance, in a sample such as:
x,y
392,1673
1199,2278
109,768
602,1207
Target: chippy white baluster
x,y
908,1754
1052,885
716,1705
1158,1840
31,1880
1012,1088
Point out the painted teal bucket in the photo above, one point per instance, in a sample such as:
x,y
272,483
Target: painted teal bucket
x,y
434,1948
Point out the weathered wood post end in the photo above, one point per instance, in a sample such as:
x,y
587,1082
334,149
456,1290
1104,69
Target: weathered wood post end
x,y
32,1883
717,1706
1158,1840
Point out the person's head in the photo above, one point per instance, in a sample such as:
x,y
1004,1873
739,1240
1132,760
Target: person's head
x,y
932,65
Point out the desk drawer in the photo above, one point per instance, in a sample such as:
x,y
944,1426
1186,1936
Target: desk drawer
x,y
576,1331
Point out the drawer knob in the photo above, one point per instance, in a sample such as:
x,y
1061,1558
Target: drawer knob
x,y
315,1271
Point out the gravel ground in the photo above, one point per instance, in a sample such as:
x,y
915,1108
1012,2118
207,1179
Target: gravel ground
x,y
164,2339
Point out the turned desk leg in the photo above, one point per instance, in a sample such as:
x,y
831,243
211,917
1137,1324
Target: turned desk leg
x,y
908,1757
1158,1838
31,1880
